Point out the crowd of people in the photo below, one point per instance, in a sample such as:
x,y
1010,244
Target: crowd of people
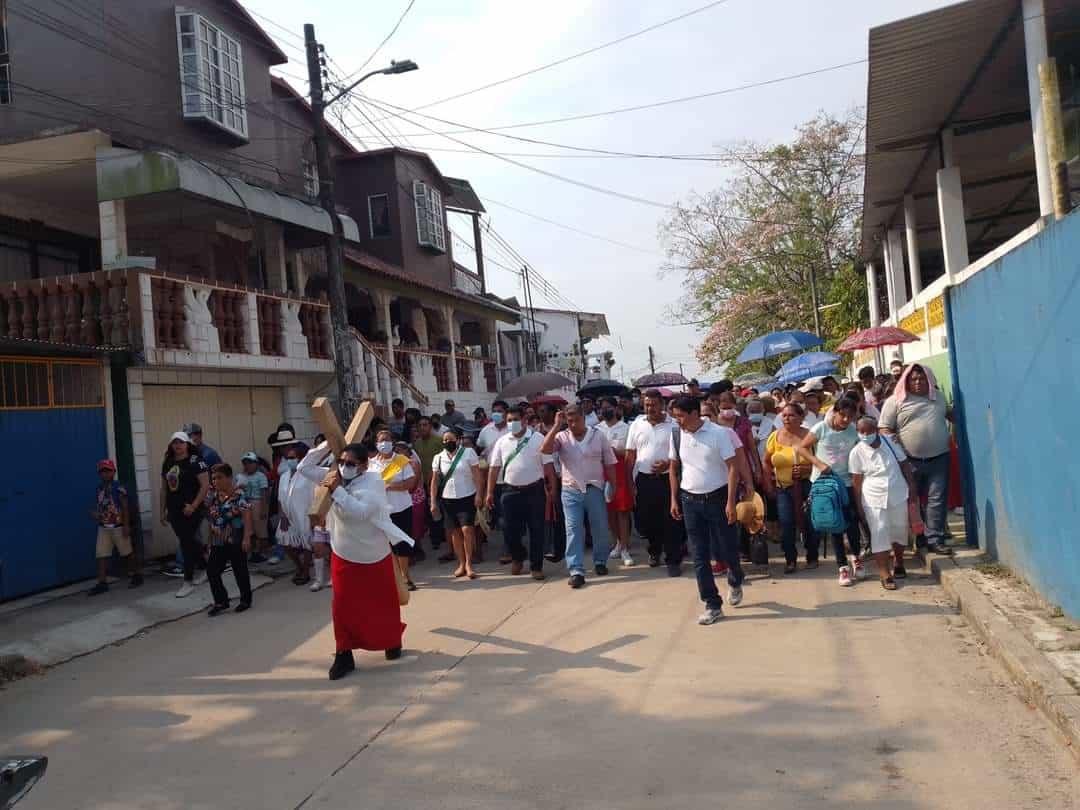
x,y
705,473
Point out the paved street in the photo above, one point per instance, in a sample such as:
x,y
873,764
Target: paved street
x,y
515,694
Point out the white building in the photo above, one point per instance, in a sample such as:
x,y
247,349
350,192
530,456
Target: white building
x,y
554,340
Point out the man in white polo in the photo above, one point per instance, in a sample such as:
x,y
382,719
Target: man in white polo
x,y
526,476
703,478
647,447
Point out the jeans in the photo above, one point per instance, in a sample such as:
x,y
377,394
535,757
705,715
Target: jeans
x,y
709,532
652,514
932,481
786,504
523,510
187,532
575,506
229,553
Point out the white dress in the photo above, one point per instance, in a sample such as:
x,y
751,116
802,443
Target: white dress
x,y
296,491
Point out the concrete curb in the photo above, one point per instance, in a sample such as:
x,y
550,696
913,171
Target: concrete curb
x,y
1040,683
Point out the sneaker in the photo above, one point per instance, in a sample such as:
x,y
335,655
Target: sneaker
x,y
627,560
614,555
225,570
98,589
711,616
577,580
654,561
858,569
187,589
315,586
200,578
273,560
256,558
217,610
845,576
601,570
734,596
173,570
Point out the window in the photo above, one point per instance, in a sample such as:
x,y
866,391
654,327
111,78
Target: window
x,y
35,384
311,178
5,58
211,74
378,209
430,230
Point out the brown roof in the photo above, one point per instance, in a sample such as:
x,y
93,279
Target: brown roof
x,y
279,57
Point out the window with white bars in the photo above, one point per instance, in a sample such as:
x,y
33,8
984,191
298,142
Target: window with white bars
x,y
5,57
430,225
311,178
211,74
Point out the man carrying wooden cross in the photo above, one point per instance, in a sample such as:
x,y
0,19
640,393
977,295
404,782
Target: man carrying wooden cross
x,y
366,610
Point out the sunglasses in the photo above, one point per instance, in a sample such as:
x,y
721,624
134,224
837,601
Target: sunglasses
x,y
345,463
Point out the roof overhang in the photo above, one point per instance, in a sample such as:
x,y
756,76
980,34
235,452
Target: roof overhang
x,y
127,173
961,69
592,325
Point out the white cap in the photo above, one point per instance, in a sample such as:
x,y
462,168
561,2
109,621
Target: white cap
x,y
181,436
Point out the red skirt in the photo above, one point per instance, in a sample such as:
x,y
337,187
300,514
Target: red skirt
x,y
622,502
365,606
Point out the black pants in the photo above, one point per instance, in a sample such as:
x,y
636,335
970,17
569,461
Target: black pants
x,y
435,528
557,527
233,553
652,513
403,520
187,531
523,509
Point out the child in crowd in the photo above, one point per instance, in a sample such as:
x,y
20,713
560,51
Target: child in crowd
x,y
112,514
256,487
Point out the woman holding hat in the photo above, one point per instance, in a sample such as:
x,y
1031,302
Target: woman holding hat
x,y
185,482
399,477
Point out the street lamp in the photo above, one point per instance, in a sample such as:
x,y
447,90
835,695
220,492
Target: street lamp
x,y
335,261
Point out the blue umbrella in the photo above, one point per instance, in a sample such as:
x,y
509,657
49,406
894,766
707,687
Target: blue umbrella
x,y
811,364
774,343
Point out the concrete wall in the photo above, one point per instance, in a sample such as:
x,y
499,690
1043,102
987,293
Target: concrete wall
x,y
1016,335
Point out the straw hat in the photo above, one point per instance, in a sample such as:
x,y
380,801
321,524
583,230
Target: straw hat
x,y
751,514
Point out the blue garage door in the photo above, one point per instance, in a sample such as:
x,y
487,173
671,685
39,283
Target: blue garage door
x,y
52,429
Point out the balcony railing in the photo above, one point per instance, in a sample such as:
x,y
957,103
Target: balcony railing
x,y
440,365
491,377
464,373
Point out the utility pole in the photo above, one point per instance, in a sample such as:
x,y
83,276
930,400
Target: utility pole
x,y
532,357
339,319
652,360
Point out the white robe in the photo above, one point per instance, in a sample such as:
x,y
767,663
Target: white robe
x,y
359,521
296,490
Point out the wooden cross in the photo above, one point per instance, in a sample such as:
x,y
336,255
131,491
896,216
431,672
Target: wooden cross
x,y
328,423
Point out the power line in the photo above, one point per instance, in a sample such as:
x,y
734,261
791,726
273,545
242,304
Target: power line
x,y
577,55
488,199
386,39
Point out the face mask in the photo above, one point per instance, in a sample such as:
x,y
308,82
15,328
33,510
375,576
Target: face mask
x,y
756,418
348,473
497,418
451,447
515,426
728,413
385,447
608,413
288,465
867,438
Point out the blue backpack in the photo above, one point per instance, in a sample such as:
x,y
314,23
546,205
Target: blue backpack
x,y
827,504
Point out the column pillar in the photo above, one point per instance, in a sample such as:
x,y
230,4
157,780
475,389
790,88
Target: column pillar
x,y
520,365
273,250
911,227
112,220
448,316
872,294
419,325
1036,52
951,216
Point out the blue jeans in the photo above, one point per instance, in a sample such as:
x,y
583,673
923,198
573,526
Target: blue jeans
x,y
708,530
932,480
786,504
575,506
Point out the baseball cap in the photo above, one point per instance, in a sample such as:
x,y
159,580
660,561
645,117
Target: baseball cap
x,y
192,428
106,464
181,435
249,456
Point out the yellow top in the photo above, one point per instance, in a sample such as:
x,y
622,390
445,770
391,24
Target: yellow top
x,y
783,459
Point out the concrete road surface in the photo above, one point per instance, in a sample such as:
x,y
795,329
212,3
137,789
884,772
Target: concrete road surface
x,y
515,694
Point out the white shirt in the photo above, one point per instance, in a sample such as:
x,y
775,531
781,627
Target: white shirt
x,y
762,431
704,455
616,434
296,490
490,434
461,483
399,500
359,520
810,419
883,483
650,442
527,466
591,419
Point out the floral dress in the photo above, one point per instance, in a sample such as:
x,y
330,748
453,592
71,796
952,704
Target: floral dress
x,y
226,514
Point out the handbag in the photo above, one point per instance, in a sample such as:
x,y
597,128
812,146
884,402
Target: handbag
x,y
914,514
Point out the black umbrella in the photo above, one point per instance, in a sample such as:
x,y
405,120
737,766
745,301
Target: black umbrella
x,y
660,378
534,383
602,388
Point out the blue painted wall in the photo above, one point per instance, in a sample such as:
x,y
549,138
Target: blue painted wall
x,y
1016,343
47,483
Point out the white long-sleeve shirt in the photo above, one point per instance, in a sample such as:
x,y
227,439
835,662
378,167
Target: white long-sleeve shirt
x,y
359,521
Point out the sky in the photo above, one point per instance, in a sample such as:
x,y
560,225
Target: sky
x,y
463,44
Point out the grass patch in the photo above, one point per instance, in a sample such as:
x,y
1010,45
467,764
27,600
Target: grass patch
x,y
994,569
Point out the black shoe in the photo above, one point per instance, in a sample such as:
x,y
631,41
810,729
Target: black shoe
x,y
98,589
242,607
394,654
410,585
674,570
939,548
899,572
654,561
601,570
344,663
217,610
553,558
135,581
577,580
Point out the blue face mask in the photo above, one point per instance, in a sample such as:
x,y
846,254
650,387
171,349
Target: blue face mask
x,y
515,426
755,418
497,418
867,438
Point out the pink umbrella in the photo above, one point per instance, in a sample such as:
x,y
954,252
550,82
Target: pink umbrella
x,y
876,336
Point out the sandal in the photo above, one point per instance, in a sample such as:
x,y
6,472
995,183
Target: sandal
x,y
899,572
888,584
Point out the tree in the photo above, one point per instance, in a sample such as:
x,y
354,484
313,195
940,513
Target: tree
x,y
778,240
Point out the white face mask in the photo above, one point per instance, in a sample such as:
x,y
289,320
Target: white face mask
x,y
348,472
867,438
386,448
